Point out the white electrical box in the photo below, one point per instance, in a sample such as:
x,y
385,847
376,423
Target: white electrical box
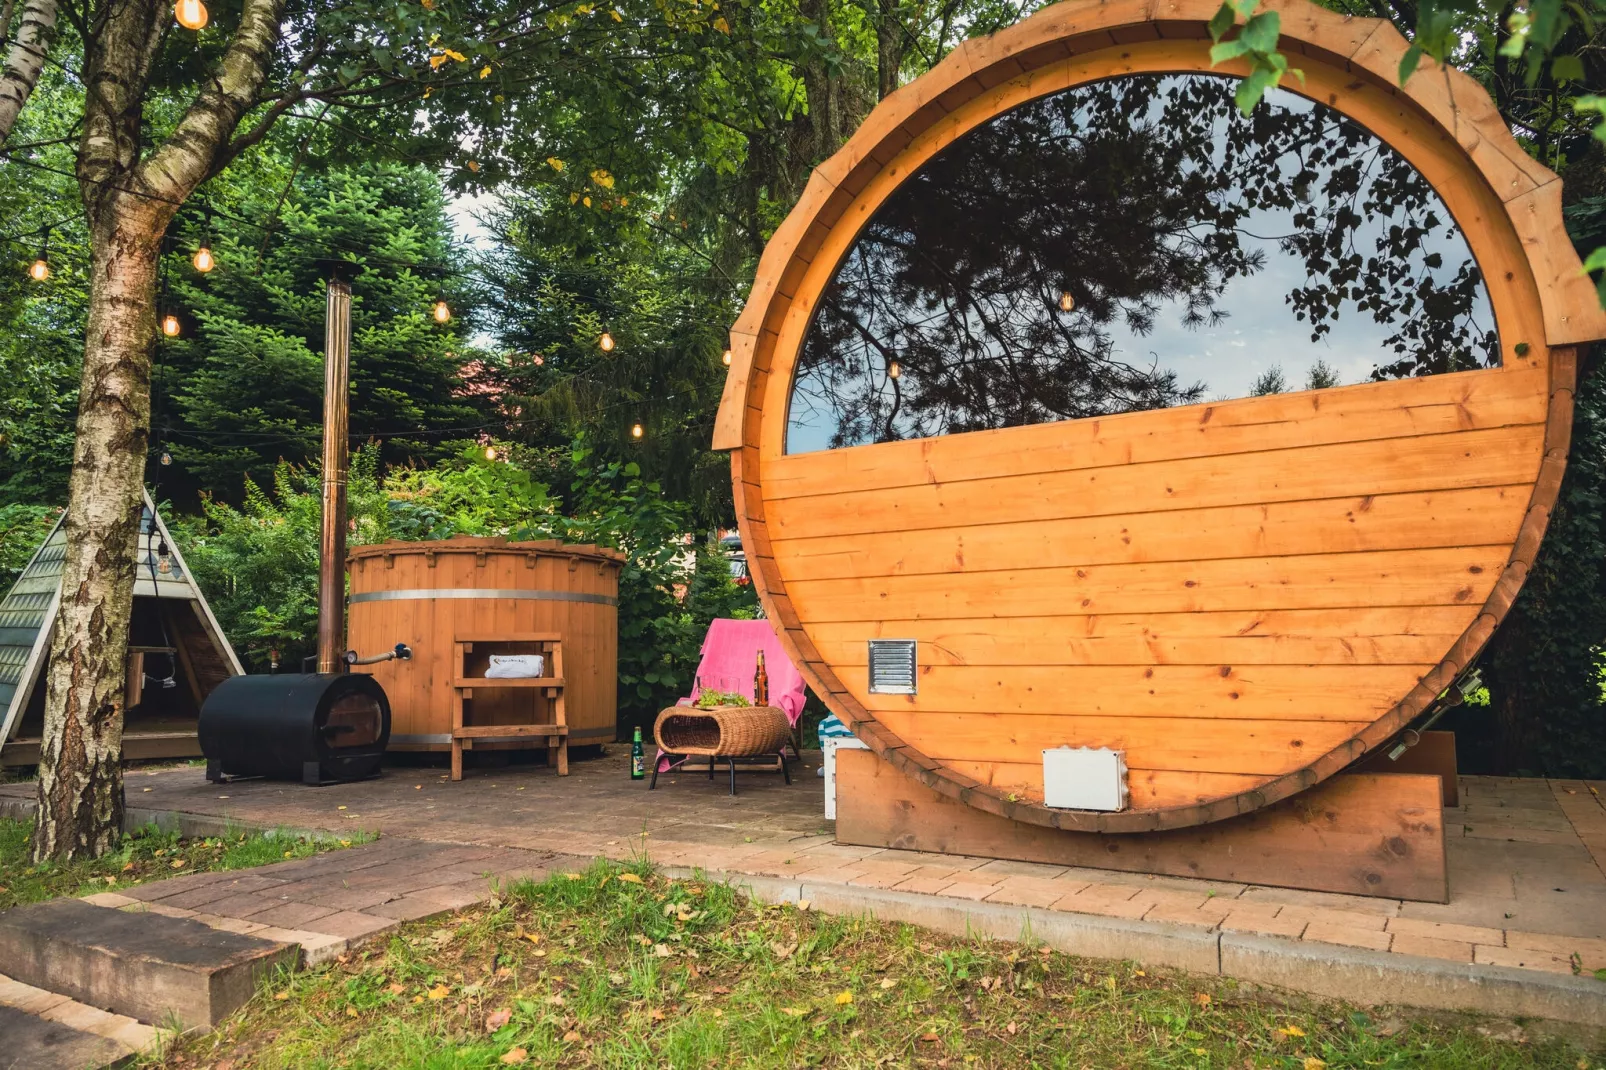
x,y
1084,778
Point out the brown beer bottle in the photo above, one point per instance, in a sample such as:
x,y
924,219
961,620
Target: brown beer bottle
x,y
761,683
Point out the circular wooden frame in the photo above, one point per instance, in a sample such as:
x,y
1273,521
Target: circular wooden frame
x,y
1507,205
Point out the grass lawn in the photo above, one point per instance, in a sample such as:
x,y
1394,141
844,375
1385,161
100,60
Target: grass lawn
x,y
622,968
146,854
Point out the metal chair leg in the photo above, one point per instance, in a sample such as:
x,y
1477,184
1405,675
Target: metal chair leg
x,y
784,772
733,776
656,762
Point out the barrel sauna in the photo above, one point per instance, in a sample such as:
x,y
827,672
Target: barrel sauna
x,y
1007,386
426,594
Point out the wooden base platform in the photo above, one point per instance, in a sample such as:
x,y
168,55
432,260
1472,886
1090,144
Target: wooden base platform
x,y
1379,834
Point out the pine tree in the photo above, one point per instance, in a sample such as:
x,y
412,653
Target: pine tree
x,y
242,386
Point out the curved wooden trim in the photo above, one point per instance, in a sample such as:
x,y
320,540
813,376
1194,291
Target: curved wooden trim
x,y
1365,50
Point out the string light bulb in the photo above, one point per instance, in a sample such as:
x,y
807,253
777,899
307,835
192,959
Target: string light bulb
x,y
164,557
1067,302
191,14
894,370
203,260
39,270
490,453
636,431
443,312
606,342
166,459
170,326
725,358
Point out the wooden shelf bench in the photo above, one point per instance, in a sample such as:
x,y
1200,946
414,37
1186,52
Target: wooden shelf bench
x,y
556,733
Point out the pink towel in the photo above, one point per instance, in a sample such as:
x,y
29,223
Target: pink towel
x,y
730,657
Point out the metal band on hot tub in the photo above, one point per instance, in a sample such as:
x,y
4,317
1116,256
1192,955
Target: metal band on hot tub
x,y
484,592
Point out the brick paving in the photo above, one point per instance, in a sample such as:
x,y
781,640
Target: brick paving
x,y
1526,861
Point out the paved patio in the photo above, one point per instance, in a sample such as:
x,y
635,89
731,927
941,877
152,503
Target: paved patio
x,y
1526,861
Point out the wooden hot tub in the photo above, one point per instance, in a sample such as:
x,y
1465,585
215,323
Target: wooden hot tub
x,y
426,594
951,428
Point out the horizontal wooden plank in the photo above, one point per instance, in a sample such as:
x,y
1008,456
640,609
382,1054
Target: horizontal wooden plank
x,y
1444,577
1150,789
1505,456
1047,648
1378,636
497,731
1270,692
1263,748
1483,516
485,683
1437,404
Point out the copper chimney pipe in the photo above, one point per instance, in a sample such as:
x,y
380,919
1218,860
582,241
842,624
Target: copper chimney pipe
x,y
332,538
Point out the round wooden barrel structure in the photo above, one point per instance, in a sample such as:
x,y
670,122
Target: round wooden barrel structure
x,y
430,595
1244,596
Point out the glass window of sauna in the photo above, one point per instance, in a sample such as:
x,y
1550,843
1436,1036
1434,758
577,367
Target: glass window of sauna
x,y
1137,243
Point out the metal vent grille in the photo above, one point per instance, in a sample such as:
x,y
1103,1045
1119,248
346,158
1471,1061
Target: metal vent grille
x,y
892,666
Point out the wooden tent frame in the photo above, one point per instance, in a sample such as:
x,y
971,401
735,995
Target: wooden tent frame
x,y
1508,205
31,678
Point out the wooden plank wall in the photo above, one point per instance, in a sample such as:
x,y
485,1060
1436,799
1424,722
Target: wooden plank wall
x,y
1223,592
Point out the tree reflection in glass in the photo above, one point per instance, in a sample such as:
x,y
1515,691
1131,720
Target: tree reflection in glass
x,y
1201,253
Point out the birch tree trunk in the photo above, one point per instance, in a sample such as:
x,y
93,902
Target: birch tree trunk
x,y
129,201
30,30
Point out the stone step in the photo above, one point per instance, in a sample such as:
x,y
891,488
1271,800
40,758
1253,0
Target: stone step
x,y
42,1044
148,966
44,1031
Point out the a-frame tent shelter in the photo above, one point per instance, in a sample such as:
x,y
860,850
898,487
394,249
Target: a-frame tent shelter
x,y
177,653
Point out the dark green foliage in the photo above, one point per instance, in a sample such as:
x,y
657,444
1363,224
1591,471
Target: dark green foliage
x,y
1544,665
243,386
22,529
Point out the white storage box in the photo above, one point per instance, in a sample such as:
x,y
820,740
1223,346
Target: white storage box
x,y
1084,778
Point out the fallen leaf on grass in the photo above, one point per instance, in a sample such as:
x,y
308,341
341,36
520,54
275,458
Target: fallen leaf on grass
x,y
656,1015
1313,1063
571,1037
794,1012
887,982
497,1019
1011,1028
515,1056
782,951
395,989
616,978
721,990
661,950
630,878
438,992
804,904
179,863
281,996
1291,1031
844,998
351,1012
930,1038
534,938
1202,998
128,867
573,876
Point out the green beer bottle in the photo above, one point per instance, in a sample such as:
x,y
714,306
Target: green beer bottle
x,y
638,758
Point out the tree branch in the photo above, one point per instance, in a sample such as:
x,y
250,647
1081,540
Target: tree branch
x,y
36,31
191,151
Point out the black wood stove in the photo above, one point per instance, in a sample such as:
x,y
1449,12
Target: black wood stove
x,y
319,728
